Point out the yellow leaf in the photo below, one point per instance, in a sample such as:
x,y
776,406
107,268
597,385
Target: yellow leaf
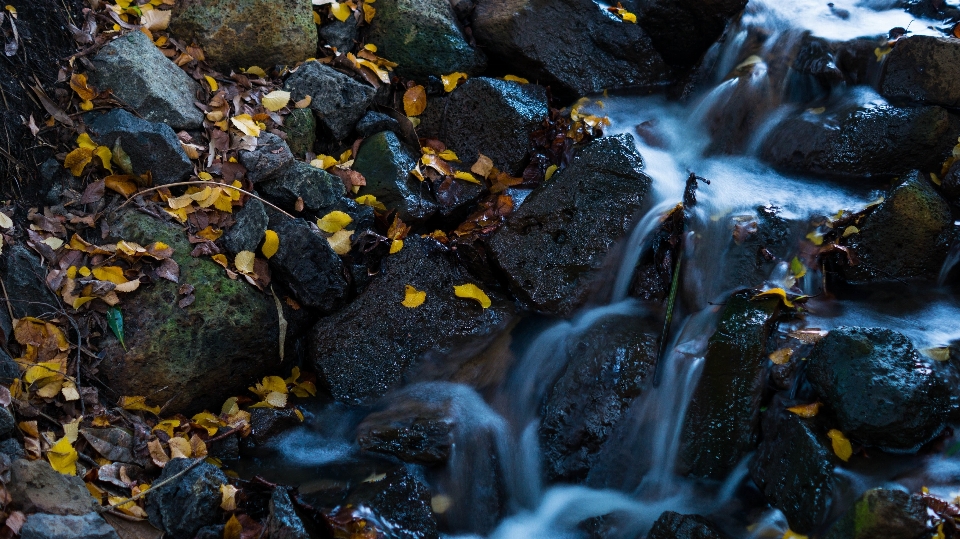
x,y
86,105
77,160
304,390
245,124
368,13
415,100
180,448
777,293
449,155
255,70
212,83
156,19
472,291
940,353
341,11
841,445
63,457
276,399
121,184
550,171
79,84
413,298
221,259
232,529
84,141
515,78
271,243
396,246
207,421
340,241
230,406
881,52
81,301
629,17
180,202
5,221
54,243
113,274
323,161
815,237
790,534
270,384
451,81
244,262
334,222
138,403
276,100
167,426
466,176
40,372
228,495
805,410
781,356
850,230
370,200
209,233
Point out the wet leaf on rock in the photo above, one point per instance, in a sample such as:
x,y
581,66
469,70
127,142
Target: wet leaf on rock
x,y
415,100
781,356
841,445
805,410
413,298
472,291
334,222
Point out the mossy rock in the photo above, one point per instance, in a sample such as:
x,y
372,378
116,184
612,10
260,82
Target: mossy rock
x,y
193,357
301,129
891,514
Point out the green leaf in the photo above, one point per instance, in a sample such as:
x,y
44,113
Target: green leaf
x,y
121,158
115,321
797,268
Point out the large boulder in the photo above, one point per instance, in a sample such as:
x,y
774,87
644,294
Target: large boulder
x,y
891,514
570,44
608,366
306,263
135,70
367,348
194,356
877,386
673,525
244,33
25,281
386,163
190,501
922,69
88,526
906,236
36,487
152,147
397,506
494,117
553,247
723,421
423,38
337,100
683,30
862,137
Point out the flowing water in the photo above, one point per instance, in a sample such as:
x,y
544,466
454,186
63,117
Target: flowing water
x,y
753,88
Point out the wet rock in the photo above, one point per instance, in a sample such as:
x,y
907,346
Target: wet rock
x,y
24,279
411,429
308,266
8,369
88,526
319,190
683,30
794,469
35,487
341,35
152,147
398,499
301,129
266,160
862,138
922,69
891,514
366,348
494,117
338,100
213,531
607,367
456,199
386,164
194,356
905,237
553,247
265,423
672,525
723,421
374,122
877,386
424,38
569,44
12,449
283,522
950,185
135,70
188,503
244,33
431,121
7,423
249,229
226,448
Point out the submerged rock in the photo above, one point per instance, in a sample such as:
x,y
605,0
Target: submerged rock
x,y
244,33
306,263
36,487
88,526
877,386
923,69
338,101
194,356
494,117
722,423
423,38
891,514
672,525
553,247
135,71
386,164
152,147
366,348
191,501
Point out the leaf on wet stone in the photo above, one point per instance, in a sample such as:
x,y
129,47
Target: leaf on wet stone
x,y
244,262
841,445
396,246
334,222
806,410
276,100
472,291
268,384
63,457
514,78
775,293
849,231
483,167
412,297
340,241
466,176
271,243
138,403
451,81
551,170
940,353
228,497
415,100
797,268
781,356
371,200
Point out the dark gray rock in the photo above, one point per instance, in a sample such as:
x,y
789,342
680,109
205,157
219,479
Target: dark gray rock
x,y
432,118
213,531
793,468
494,117
553,247
88,526
891,514
386,164
283,522
366,348
672,525
338,100
398,499
152,147
906,236
135,70
341,35
24,279
723,421
226,448
308,266
877,386
269,157
35,487
922,69
683,30
861,138
7,423
248,230
424,38
190,502
950,185
301,129
265,423
8,367
569,44
607,367
374,122
318,189
12,449
412,429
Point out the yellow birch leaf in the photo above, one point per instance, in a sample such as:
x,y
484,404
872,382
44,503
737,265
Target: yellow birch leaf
x,y
84,141
157,453
221,259
334,222
781,356
939,353
841,445
515,78
628,17
276,100
449,155
368,13
63,457
775,292
246,125
415,100
256,70
179,448
323,161
232,529
77,160
268,384
276,399
228,501
207,421
113,274
451,81
198,446
815,237
550,171
466,176
244,262
224,200
79,84
167,426
5,221
81,301
70,393
138,403
271,243
396,246
71,430
472,291
413,298
370,200
304,390
54,243
180,202
230,406
341,11
340,241
805,410
850,230
212,83
209,233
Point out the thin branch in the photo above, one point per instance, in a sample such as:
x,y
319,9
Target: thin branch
x,y
205,182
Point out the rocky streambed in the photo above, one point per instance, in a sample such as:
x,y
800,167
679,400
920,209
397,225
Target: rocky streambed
x,y
475,268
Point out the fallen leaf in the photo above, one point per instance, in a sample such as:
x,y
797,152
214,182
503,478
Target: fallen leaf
x,y
63,457
113,443
334,221
775,293
340,241
781,356
228,494
790,534
167,426
5,222
550,172
514,78
466,176
805,410
396,246
841,445
483,166
245,124
115,322
232,529
451,81
415,100
78,83
940,353
276,100
157,453
342,12
472,291
244,262
413,298
212,83
370,200
156,19
179,448
138,403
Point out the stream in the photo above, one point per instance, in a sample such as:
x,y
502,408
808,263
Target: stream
x,y
716,133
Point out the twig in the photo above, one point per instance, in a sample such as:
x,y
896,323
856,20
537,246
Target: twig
x,y
205,182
